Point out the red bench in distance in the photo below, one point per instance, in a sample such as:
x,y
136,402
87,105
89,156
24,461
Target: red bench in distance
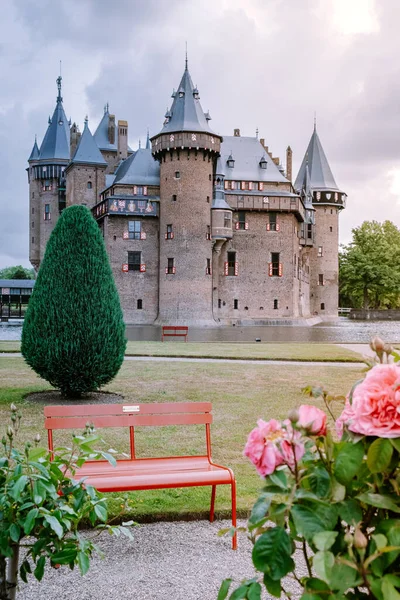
x,y
145,473
174,331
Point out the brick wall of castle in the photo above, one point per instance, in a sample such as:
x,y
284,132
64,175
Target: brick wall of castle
x,y
84,184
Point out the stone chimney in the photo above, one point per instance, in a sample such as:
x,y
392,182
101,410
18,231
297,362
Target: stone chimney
x,y
262,142
111,129
289,154
236,132
122,139
74,137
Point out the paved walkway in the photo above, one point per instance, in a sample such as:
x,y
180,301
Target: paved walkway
x,y
248,361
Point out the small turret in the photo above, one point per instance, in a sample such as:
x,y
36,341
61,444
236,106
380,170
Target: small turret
x,y
35,152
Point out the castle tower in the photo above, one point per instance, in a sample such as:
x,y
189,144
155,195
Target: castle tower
x,y
315,181
187,149
85,174
46,180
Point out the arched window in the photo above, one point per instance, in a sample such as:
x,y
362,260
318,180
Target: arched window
x,y
89,185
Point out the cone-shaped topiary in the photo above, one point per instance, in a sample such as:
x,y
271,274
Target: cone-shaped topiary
x,y
74,334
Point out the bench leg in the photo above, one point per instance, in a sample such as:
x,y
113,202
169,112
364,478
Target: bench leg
x,y
213,491
233,489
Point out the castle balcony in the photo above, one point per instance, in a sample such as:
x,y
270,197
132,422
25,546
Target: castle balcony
x,y
271,201
127,205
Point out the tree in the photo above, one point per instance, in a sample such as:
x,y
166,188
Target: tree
x,y
18,272
369,267
74,334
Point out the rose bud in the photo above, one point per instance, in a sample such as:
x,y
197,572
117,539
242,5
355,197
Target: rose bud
x,y
360,541
312,419
293,416
13,408
37,438
10,431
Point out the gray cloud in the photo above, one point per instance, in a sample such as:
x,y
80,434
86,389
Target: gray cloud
x,y
261,63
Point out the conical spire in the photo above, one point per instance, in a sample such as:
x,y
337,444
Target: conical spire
x,y
186,113
320,174
35,152
56,141
148,145
87,150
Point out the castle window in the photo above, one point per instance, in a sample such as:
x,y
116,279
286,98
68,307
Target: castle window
x,y
235,303
208,234
321,279
47,186
208,267
208,199
320,252
173,197
171,269
275,267
177,174
47,215
89,185
231,266
134,260
33,194
331,229
33,210
139,304
322,305
139,190
134,230
219,303
241,222
227,219
33,240
309,231
170,234
275,304
273,224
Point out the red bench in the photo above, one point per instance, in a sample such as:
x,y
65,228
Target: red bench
x,y
145,473
174,331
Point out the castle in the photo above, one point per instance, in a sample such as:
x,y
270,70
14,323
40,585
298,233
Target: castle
x,y
201,229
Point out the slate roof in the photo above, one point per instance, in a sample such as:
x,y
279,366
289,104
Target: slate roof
x,y
247,153
101,134
87,150
186,113
140,168
56,140
321,177
35,152
17,283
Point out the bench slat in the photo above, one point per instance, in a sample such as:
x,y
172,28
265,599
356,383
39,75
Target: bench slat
x,y
128,421
118,409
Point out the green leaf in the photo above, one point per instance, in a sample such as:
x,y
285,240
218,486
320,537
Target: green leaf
x,y
379,455
320,481
338,491
379,501
323,563
389,591
55,525
260,509
254,592
380,540
273,587
15,532
64,557
36,453
344,577
83,562
39,570
101,512
19,486
224,589
278,478
395,443
239,593
110,458
325,539
272,553
350,511
348,461
314,518
312,584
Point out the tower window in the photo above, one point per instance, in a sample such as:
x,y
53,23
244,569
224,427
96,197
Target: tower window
x,y
320,279
320,251
170,234
241,223
235,303
219,303
208,199
33,210
208,267
33,240
47,215
231,264
134,260
331,229
170,270
322,305
33,194
134,229
276,304
173,197
139,304
272,224
177,175
227,219
275,267
208,234
89,185
47,186
309,231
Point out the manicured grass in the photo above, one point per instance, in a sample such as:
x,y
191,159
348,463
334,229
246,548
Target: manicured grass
x,y
240,394
255,351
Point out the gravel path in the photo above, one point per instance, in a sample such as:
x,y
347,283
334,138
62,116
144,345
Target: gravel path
x,y
179,561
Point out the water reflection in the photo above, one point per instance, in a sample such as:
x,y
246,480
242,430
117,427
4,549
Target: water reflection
x,y
341,331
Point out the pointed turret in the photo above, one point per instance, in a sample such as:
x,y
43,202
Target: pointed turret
x,y
35,152
148,145
87,151
56,142
186,113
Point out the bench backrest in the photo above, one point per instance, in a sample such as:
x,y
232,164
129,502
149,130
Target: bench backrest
x,y
183,328
128,415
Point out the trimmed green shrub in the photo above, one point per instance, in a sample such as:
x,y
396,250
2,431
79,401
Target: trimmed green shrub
x,y
74,334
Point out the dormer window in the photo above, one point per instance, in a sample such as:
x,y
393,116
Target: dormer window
x,y
263,163
181,93
196,95
230,162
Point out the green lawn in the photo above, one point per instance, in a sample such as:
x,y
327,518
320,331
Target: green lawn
x,y
258,351
240,394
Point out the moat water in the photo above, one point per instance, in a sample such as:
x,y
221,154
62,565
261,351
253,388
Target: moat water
x,y
342,331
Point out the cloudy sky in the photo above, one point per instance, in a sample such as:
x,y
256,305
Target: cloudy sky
x,y
258,63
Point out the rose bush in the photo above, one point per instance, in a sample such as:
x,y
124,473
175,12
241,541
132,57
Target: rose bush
x,y
335,502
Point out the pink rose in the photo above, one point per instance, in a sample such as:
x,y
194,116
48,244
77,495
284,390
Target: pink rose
x,y
375,409
270,445
345,418
312,419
